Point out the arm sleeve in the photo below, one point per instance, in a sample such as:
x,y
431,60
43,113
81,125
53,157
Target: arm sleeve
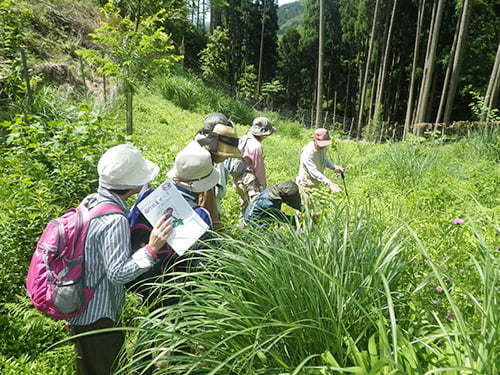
x,y
310,166
330,164
120,267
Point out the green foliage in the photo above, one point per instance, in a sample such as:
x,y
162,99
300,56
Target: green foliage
x,y
214,58
46,167
188,92
283,297
29,332
131,52
485,142
479,109
14,19
247,84
271,92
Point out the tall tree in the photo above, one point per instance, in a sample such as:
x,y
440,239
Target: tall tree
x,y
429,65
446,83
410,101
493,87
457,60
367,69
319,96
380,90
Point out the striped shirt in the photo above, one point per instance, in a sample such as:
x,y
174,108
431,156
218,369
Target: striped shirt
x,y
108,263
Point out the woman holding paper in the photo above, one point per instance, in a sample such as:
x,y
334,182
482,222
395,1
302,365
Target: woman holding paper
x,y
108,263
193,173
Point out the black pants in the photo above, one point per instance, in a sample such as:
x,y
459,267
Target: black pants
x,y
96,354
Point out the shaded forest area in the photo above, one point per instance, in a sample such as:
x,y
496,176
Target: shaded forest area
x,y
396,62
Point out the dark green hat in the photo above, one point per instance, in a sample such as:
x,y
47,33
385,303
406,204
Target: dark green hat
x,y
286,191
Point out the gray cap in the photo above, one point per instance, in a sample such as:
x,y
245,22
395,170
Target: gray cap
x,y
262,127
215,118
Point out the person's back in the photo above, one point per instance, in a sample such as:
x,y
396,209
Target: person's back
x,y
108,264
265,208
253,180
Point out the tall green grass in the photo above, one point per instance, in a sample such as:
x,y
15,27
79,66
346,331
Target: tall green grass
x,y
325,299
189,92
265,303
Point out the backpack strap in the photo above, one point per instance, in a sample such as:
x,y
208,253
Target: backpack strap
x,y
105,208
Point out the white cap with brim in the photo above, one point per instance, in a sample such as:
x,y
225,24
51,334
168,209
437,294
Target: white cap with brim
x,y
123,167
193,169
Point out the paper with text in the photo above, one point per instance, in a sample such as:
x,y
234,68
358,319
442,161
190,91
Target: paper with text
x,y
167,200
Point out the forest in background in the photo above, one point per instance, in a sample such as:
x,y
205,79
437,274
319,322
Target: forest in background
x,y
399,275
387,64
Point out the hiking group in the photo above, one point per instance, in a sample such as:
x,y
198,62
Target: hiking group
x,y
117,248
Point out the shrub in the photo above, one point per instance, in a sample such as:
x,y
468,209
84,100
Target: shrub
x,y
47,166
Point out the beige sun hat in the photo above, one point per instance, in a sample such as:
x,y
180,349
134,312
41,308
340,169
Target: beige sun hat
x,y
193,169
227,145
123,167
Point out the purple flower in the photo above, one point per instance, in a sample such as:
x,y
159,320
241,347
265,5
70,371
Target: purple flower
x,y
438,302
461,270
450,314
439,288
458,221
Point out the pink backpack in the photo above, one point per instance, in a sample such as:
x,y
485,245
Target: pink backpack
x,y
55,281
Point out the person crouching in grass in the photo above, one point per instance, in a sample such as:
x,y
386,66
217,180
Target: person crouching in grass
x,y
265,208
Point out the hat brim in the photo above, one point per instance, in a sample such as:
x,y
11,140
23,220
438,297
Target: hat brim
x,y
260,132
324,143
197,186
233,153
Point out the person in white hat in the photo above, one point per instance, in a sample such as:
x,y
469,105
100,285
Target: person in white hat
x,y
252,179
222,143
194,173
123,171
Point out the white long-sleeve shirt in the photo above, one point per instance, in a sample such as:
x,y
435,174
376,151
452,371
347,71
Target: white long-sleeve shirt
x,y
313,162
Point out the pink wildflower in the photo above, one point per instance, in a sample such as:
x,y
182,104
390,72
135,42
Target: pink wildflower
x,y
439,288
438,302
458,221
461,270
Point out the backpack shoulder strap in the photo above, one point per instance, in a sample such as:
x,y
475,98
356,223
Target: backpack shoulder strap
x,y
105,208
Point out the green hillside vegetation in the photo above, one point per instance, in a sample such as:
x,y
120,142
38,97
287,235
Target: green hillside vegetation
x,y
398,275
395,232
290,16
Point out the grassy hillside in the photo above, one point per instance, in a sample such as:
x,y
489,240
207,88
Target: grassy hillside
x,y
402,202
398,275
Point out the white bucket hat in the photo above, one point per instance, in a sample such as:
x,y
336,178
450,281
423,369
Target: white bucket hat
x,y
123,167
193,169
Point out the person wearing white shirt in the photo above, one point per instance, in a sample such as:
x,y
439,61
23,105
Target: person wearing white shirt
x,y
313,161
